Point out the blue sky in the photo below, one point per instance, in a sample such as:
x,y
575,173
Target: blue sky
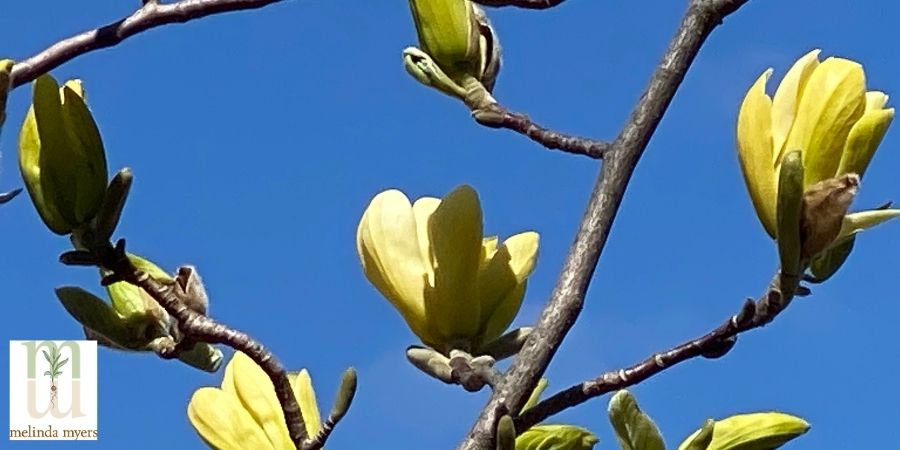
x,y
258,138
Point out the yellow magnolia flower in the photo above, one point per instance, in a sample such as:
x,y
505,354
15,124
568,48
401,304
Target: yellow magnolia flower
x,y
823,110
245,414
455,288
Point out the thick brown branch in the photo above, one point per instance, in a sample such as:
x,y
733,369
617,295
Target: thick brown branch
x,y
199,327
711,345
567,298
496,116
526,4
150,16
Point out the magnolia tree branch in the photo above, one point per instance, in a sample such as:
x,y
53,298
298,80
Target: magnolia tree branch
x,y
496,116
149,16
199,327
567,298
526,4
714,344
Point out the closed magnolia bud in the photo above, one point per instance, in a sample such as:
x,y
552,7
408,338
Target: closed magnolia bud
x,y
459,52
757,431
61,156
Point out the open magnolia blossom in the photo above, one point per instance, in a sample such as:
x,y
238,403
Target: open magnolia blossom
x,y
455,288
245,414
822,110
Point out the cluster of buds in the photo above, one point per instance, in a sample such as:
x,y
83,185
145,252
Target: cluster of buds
x,y
803,152
135,321
458,53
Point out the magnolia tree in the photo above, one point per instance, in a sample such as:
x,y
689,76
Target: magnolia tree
x,y
803,145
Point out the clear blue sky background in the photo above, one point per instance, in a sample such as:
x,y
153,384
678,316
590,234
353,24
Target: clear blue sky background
x,y
258,138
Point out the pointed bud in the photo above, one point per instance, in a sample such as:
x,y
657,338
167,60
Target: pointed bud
x,y
113,203
788,213
346,392
507,345
506,433
458,54
758,431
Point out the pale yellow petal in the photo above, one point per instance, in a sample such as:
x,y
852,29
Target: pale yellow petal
x,y
863,220
488,249
523,250
228,378
833,101
503,314
392,261
787,96
423,208
875,100
864,139
506,272
754,139
455,235
255,391
306,397
223,423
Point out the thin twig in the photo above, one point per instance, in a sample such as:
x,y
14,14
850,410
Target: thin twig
x,y
149,16
714,344
567,299
201,328
526,4
496,116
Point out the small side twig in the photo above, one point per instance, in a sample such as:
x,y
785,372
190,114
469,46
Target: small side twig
x,y
715,344
201,328
525,4
151,15
496,116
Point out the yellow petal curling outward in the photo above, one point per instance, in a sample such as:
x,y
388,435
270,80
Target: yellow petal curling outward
x,y
306,397
455,235
391,260
223,423
256,393
501,284
835,100
787,96
754,136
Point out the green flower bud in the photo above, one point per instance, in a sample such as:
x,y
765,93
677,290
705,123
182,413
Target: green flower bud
x,y
61,156
459,52
757,431
134,321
